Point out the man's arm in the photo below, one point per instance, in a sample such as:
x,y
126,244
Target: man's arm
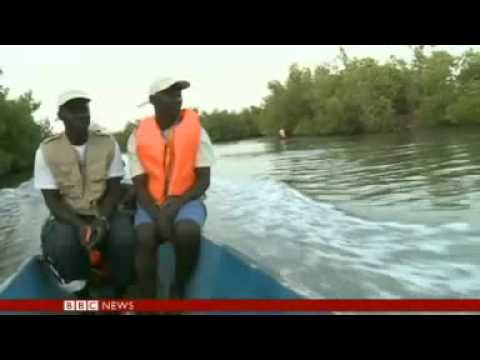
x,y
112,197
139,179
174,203
198,189
205,160
144,198
64,212
60,209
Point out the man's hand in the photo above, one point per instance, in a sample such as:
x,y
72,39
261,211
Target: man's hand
x,y
100,227
172,206
166,217
86,234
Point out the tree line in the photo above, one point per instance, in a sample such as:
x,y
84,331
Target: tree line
x,y
360,95
20,135
346,97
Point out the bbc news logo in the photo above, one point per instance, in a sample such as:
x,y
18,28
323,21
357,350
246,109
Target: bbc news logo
x,y
96,305
81,305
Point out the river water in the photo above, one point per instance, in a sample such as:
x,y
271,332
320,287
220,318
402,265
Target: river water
x,y
383,216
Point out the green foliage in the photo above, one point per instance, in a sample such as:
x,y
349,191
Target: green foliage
x,y
359,95
287,106
46,129
220,125
229,126
20,135
466,109
362,95
122,136
355,95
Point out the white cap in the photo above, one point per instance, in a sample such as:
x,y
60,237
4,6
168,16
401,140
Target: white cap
x,y
68,95
163,83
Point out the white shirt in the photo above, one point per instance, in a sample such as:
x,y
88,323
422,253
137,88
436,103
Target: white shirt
x,y
43,178
205,158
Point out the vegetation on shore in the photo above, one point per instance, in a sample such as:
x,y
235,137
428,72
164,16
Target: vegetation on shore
x,y
362,95
20,135
349,96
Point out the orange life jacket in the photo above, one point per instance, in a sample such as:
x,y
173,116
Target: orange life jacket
x,y
169,163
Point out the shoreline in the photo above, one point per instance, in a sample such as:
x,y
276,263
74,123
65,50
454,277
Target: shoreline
x,y
9,181
399,132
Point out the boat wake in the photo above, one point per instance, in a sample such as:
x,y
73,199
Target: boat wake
x,y
322,251
312,247
22,213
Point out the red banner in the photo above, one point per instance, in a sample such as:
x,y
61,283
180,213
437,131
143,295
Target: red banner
x,y
239,306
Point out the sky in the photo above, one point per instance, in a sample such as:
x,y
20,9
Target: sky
x,y
117,77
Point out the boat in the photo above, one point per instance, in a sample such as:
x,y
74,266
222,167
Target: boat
x,y
222,273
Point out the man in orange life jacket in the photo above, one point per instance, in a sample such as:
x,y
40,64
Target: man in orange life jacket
x,y
170,156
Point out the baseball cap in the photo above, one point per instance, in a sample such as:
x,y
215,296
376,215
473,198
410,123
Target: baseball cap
x,y
163,83
68,95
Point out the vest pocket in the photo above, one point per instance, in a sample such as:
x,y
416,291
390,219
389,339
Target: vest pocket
x,y
66,175
97,186
69,187
72,192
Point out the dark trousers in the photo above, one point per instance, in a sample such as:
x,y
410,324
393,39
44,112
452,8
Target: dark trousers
x,y
61,246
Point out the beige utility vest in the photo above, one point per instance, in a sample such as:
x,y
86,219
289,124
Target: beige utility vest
x,y
81,186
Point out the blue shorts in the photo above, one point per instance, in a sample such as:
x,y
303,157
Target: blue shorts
x,y
193,210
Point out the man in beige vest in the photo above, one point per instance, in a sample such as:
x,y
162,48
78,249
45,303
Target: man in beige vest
x,y
79,173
